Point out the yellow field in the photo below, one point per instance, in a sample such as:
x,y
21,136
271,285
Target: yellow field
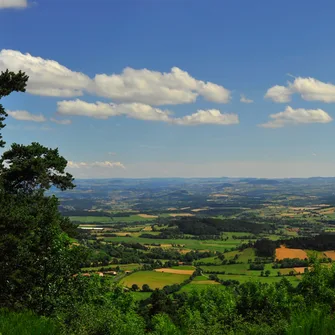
x,y
284,252
147,216
181,272
330,254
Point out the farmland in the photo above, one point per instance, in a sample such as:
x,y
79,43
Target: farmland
x,y
153,279
161,235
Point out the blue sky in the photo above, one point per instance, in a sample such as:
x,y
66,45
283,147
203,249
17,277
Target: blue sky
x,y
185,122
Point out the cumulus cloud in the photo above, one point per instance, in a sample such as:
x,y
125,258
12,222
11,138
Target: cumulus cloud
x,y
13,4
140,111
211,116
22,115
297,116
63,122
245,100
49,78
46,77
157,88
103,110
310,89
104,164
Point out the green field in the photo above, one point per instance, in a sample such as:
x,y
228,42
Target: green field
x,y
183,267
214,245
271,279
105,219
153,279
197,287
91,219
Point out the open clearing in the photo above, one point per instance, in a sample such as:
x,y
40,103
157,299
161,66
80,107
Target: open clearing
x,y
181,272
153,279
284,252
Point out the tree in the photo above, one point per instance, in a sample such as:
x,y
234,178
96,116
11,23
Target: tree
x,y
37,259
25,169
10,82
135,287
146,288
267,273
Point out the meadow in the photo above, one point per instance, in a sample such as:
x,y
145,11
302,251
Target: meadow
x,y
153,279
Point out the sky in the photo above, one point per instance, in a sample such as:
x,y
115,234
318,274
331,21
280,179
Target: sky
x,y
174,88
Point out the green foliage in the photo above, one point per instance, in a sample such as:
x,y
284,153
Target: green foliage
x,y
26,323
38,258
162,325
10,82
29,168
312,322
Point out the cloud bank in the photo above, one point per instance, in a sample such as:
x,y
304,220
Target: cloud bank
x,y
140,111
50,78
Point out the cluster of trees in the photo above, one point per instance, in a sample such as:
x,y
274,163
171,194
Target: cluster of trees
x,y
324,241
209,226
266,247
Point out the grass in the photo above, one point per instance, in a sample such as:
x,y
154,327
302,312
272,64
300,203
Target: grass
x,y
138,296
183,267
200,278
26,323
153,279
233,268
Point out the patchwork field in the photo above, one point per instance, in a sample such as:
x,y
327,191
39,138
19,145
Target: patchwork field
x,y
284,252
153,279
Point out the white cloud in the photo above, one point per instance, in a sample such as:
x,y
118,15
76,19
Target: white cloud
x,y
211,116
49,78
140,111
245,100
297,116
63,122
103,110
13,4
26,116
310,89
46,77
279,94
104,164
157,88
